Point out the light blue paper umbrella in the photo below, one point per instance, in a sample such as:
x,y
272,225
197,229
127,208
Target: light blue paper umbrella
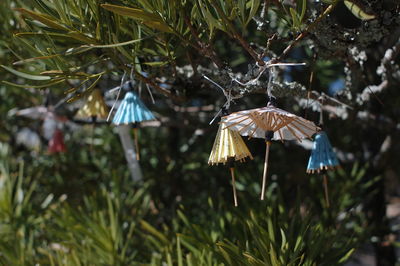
x,y
322,155
132,111
322,158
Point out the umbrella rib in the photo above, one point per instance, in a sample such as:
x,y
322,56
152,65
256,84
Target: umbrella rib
x,y
283,122
246,126
269,118
271,121
294,134
280,134
254,131
261,121
258,121
296,127
234,124
305,124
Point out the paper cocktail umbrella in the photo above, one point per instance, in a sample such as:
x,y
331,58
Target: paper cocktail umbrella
x,y
229,147
270,123
94,108
322,158
322,155
132,111
56,144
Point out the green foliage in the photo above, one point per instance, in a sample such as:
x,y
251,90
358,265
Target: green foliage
x,y
298,14
114,225
19,217
62,39
281,239
100,232
357,11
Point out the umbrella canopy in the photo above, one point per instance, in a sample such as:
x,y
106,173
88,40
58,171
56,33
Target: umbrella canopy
x,y
228,144
322,155
132,110
256,122
56,144
94,106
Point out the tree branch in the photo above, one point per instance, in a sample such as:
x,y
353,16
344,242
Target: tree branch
x,y
236,35
307,30
161,90
205,49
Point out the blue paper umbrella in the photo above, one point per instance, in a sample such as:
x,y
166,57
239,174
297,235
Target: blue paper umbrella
x,y
132,110
322,155
322,158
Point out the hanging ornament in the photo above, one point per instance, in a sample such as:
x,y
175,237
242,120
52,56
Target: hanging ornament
x,y
94,108
322,158
132,111
322,155
229,147
56,144
270,123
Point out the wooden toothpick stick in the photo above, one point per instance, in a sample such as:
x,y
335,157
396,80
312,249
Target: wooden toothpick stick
x,y
135,132
264,181
234,186
326,190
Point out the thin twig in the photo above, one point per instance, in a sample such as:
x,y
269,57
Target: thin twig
x,y
265,8
269,42
161,90
307,30
206,49
262,69
116,99
310,83
236,35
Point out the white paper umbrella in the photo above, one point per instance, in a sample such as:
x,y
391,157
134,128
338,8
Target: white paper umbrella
x,y
255,122
270,123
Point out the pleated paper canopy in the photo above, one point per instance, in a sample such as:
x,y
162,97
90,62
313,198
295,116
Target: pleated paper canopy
x,y
228,144
322,155
94,106
56,144
285,125
132,110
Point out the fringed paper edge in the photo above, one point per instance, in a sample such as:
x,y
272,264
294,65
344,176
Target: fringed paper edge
x,y
224,160
323,168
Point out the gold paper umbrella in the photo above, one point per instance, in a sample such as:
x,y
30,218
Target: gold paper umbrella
x,y
95,107
270,123
229,147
